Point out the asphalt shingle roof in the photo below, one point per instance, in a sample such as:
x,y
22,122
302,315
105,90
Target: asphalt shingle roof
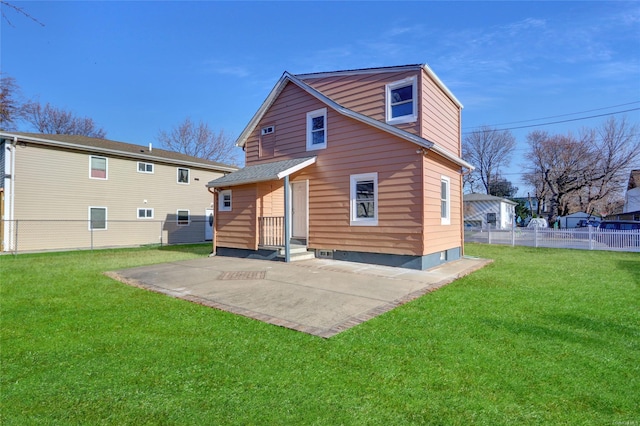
x,y
139,151
262,172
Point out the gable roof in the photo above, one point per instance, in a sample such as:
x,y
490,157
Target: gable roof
x,y
486,197
121,149
274,170
289,78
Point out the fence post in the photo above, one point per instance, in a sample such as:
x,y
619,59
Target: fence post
x,y
15,239
513,235
91,228
489,233
535,236
590,237
161,228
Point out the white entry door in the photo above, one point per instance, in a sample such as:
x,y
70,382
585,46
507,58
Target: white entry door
x,y
208,225
299,217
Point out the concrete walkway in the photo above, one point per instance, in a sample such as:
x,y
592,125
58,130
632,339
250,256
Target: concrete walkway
x,y
319,296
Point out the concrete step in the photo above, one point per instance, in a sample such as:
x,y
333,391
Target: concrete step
x,y
293,249
297,253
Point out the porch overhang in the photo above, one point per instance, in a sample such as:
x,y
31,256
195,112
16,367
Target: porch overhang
x,y
265,172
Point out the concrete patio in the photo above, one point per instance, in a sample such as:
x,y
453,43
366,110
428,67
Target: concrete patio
x,y
321,297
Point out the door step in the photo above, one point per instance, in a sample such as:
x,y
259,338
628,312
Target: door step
x,y
297,253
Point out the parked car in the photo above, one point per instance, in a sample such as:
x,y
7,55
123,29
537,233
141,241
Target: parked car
x,y
620,225
538,222
583,223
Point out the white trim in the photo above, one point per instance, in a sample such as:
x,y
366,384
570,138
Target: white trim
x,y
178,175
407,118
178,217
145,167
106,222
221,206
106,167
146,209
445,220
242,139
353,214
114,152
294,169
322,112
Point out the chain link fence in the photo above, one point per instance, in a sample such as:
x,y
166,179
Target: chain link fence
x,y
588,238
19,236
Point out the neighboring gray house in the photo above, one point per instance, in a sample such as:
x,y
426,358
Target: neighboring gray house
x,y
483,211
66,192
571,221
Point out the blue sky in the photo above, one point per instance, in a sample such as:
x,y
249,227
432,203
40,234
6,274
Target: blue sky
x,y
139,67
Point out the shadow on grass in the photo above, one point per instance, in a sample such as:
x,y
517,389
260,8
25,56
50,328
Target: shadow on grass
x,y
633,267
567,328
202,249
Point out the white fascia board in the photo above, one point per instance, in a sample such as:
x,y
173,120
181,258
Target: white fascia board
x,y
294,169
359,71
441,85
286,77
275,92
125,154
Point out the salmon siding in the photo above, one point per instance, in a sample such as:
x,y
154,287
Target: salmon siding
x,y
397,181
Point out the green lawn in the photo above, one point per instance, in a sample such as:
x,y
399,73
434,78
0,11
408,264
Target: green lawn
x,y
541,336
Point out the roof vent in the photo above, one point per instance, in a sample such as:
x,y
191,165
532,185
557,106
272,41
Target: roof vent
x,y
150,147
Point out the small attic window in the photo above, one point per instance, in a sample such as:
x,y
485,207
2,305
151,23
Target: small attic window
x,y
268,130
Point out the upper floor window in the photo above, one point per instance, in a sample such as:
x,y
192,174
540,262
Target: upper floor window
x,y
183,175
145,167
445,200
144,213
402,97
317,129
364,199
224,201
97,167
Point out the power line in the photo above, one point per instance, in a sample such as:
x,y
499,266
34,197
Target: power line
x,y
561,121
555,116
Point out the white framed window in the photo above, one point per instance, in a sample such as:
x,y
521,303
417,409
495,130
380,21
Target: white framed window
x,y
364,199
445,200
145,167
183,175
97,218
317,129
182,217
402,101
145,213
97,167
224,201
268,130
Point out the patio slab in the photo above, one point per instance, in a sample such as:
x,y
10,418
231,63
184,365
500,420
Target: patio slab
x,y
322,297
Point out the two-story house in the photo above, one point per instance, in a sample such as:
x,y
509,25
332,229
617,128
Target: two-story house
x,y
67,192
358,165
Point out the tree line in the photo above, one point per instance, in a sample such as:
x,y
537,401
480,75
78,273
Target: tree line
x,y
583,172
197,139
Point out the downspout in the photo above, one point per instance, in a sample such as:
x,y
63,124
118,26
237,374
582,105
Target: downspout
x,y
13,190
215,220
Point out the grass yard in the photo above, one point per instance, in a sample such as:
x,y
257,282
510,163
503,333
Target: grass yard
x,y
541,336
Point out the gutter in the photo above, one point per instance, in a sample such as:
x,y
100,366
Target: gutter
x,y
121,153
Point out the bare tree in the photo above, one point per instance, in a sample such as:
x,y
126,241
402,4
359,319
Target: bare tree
x,y
488,149
582,173
199,141
10,103
18,10
51,120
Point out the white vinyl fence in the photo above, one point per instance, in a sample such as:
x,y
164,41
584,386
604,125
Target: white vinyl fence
x,y
588,238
